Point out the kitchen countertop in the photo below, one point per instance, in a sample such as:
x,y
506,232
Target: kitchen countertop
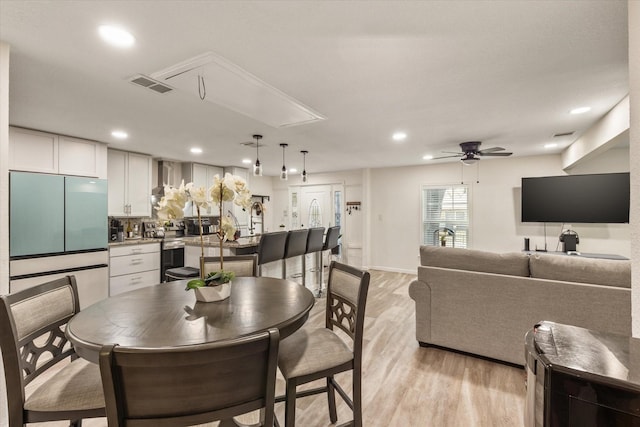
x,y
213,241
209,241
136,241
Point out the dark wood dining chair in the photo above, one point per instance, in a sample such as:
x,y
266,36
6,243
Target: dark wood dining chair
x,y
32,339
271,248
241,265
312,354
190,385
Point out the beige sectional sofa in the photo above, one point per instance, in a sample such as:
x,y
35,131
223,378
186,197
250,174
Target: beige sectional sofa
x,y
483,303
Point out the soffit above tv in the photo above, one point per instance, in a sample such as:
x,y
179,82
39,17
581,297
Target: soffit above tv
x,y
215,79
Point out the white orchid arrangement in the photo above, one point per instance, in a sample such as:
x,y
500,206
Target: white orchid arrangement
x,y
230,188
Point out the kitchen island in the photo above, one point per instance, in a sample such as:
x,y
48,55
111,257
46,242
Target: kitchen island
x,y
242,246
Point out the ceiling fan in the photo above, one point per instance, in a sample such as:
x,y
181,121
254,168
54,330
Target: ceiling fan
x,y
471,152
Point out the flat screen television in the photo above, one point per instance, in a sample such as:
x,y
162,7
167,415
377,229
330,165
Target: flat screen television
x,y
597,198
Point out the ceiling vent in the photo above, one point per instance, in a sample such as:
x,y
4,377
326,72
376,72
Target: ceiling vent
x,y
151,84
215,79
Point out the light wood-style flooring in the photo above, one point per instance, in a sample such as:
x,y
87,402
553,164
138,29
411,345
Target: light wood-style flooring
x,y
404,384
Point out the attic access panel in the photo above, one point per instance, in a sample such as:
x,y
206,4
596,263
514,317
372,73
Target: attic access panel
x,y
230,86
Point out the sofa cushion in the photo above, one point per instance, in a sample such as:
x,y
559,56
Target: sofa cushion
x,y
569,268
513,263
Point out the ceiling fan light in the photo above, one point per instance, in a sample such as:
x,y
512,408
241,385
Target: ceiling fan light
x,y
304,176
469,159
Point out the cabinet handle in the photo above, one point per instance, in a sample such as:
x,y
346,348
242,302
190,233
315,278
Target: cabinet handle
x,y
136,251
136,261
136,279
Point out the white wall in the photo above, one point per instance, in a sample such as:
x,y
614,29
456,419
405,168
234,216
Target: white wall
x,y
395,231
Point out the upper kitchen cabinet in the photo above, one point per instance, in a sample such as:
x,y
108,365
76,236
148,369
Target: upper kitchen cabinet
x,y
56,154
129,176
201,176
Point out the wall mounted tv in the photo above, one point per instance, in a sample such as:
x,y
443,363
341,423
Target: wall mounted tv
x,y
597,198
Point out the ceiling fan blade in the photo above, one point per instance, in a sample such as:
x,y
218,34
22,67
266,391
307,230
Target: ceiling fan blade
x,y
459,153
496,154
491,150
446,157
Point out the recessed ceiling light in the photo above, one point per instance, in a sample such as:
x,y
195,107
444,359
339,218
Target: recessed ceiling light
x,y
119,134
399,136
196,150
580,110
427,157
247,161
550,145
293,170
116,36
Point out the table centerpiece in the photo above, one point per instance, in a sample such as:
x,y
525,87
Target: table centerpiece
x,y
231,188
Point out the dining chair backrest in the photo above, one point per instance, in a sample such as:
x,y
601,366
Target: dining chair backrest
x,y
241,265
190,384
296,243
32,339
271,247
347,290
314,241
331,241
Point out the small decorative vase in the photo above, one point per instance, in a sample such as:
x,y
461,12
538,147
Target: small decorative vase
x,y
213,293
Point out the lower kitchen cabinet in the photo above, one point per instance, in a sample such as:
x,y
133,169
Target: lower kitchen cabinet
x,y
133,266
90,270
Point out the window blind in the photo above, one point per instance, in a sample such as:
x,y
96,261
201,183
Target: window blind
x,y
445,212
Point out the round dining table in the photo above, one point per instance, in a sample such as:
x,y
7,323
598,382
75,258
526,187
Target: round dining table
x,y
166,315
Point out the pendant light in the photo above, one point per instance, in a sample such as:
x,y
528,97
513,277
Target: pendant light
x,y
304,165
283,173
257,168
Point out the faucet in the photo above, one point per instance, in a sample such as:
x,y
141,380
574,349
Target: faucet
x,y
259,208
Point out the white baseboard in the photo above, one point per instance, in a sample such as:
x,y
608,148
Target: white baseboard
x,y
391,269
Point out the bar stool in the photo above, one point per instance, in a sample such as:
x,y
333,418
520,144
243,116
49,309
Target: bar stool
x,y
314,245
180,273
271,248
330,243
295,246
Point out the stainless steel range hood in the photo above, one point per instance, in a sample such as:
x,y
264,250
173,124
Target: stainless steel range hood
x,y
166,176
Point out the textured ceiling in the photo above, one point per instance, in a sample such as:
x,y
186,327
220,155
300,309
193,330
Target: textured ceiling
x,y
505,73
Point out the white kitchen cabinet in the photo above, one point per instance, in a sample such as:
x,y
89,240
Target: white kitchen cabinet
x,y
35,151
81,157
89,268
133,267
202,176
129,177
23,146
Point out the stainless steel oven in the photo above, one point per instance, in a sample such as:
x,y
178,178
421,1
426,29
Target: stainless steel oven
x,y
172,255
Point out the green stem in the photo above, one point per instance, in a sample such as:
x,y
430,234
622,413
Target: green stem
x,y
201,243
220,233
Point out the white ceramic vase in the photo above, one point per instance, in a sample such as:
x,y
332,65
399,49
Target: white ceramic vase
x,y
213,293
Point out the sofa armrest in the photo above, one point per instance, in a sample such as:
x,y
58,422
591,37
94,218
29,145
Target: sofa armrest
x,y
420,292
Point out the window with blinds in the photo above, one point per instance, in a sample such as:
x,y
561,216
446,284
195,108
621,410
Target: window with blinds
x,y
445,216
